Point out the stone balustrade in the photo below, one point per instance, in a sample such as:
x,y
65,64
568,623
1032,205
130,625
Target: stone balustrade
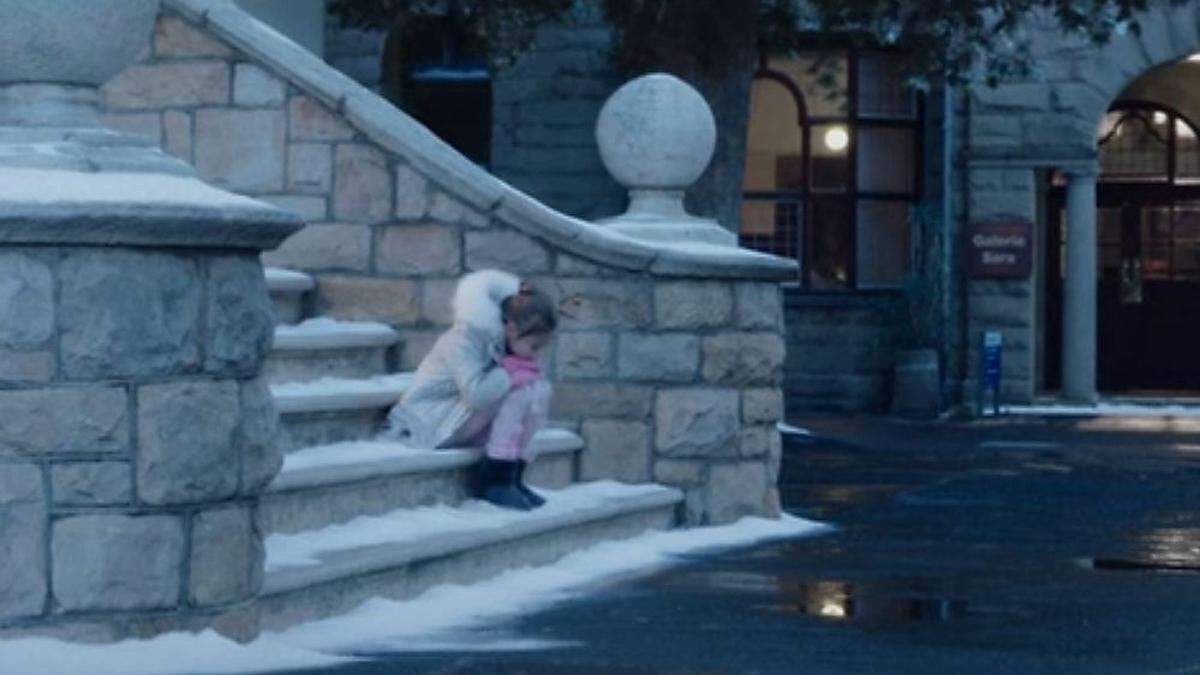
x,y
669,359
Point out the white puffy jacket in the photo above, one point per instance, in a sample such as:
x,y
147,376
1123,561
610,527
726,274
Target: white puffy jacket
x,y
461,373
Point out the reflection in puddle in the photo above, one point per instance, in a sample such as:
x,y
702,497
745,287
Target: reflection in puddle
x,y
1170,549
868,603
851,602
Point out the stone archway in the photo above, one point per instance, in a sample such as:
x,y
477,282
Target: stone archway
x,y
1051,123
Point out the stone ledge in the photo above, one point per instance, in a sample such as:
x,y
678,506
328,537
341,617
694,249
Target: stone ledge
x,y
398,133
144,225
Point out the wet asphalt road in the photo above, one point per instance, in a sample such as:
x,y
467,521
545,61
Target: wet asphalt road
x,y
1032,547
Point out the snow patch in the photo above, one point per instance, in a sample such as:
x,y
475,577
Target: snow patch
x,y
791,430
323,332
174,653
351,452
307,548
56,186
279,279
1104,410
448,617
333,386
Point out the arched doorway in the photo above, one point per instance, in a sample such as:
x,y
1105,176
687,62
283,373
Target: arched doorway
x,y
1148,238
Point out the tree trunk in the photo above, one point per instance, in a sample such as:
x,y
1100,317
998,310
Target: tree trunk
x,y
713,45
718,192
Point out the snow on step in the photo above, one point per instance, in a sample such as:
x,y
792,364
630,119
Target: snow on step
x,y
350,456
324,572
331,394
329,484
319,348
325,333
288,281
287,289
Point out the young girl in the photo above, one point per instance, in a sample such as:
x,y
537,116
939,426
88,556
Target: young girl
x,y
482,385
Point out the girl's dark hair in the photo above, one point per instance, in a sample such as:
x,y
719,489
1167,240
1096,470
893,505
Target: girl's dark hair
x,y
530,310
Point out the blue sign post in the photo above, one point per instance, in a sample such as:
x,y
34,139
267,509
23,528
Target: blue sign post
x,y
991,349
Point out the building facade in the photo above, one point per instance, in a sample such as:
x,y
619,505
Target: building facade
x,y
880,193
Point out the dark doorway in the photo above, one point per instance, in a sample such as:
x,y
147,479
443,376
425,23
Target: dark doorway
x,y
1148,234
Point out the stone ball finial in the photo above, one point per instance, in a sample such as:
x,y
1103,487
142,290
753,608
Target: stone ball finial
x,y
656,132
75,42
656,135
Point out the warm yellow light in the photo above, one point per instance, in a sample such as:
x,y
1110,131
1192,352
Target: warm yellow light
x,y
836,139
833,610
1194,58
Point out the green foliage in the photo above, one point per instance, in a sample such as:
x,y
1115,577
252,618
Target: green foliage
x,y
496,30
967,39
958,39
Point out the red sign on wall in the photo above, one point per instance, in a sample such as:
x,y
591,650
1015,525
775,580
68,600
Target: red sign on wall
x,y
1000,250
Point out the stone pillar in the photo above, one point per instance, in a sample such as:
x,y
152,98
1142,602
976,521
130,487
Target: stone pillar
x,y
656,136
135,433
1079,301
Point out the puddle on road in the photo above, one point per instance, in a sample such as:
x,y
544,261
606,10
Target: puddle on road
x,y
1173,549
867,604
875,602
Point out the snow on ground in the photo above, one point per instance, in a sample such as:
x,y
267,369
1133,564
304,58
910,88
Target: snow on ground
x,y
449,617
1105,410
416,524
171,654
791,430
453,617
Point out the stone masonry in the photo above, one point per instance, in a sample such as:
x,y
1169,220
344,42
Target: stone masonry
x,y
134,438
670,376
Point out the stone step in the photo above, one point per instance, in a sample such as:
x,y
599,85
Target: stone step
x,y
331,484
288,288
333,410
321,573
319,348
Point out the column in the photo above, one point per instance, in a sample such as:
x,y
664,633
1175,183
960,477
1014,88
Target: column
x,y
1079,290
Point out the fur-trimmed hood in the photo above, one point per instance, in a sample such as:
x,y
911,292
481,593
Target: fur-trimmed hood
x,y
478,296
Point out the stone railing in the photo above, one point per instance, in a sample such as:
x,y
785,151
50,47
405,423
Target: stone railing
x,y
670,356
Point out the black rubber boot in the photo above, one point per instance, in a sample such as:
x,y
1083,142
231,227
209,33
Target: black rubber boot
x,y
534,498
498,485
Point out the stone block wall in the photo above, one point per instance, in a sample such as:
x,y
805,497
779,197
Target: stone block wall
x,y
672,380
839,354
1009,306
135,438
672,377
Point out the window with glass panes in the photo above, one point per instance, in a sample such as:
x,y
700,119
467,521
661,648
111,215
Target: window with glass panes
x,y
833,167
1149,158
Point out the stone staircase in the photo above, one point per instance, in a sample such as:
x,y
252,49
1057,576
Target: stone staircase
x,y
377,519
